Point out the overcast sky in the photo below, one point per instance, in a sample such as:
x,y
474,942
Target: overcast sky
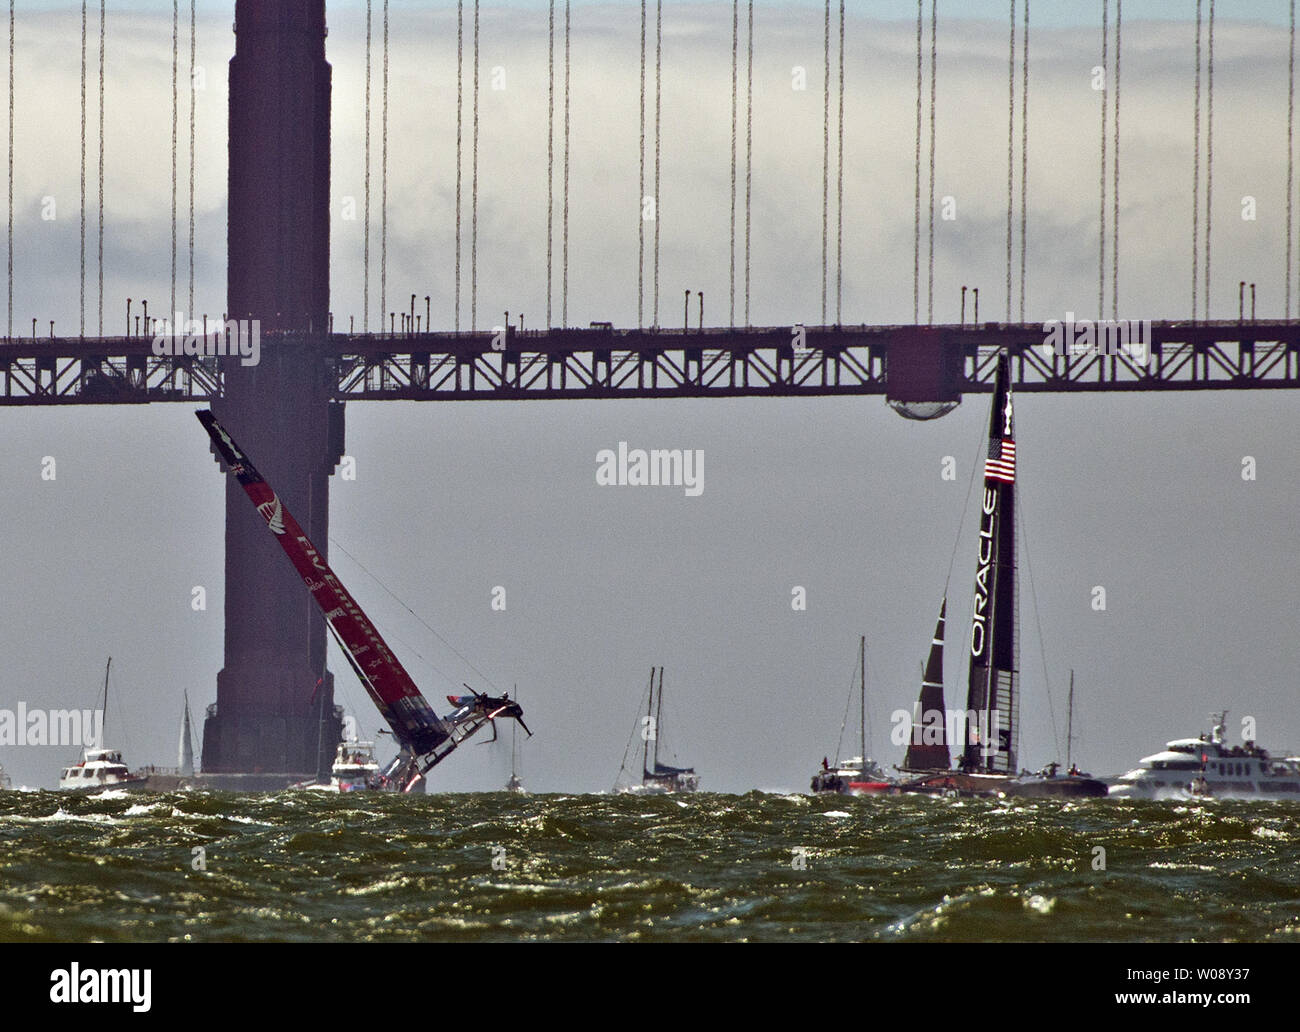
x,y
1141,494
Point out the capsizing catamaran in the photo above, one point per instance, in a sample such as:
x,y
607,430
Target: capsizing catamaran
x,y
424,738
988,761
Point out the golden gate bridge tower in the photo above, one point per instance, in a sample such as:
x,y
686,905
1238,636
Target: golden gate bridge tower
x,y
278,275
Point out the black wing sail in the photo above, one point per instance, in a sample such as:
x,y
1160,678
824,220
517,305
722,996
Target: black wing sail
x,y
928,749
993,691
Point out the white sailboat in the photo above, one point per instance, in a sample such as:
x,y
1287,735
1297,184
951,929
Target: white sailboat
x,y
657,778
858,775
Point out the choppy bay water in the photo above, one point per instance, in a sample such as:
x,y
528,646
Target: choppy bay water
x,y
755,867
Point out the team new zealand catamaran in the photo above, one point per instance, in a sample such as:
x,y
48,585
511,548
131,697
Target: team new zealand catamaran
x,y
988,762
424,738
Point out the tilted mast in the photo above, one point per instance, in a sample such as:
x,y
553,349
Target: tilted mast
x,y
992,696
425,738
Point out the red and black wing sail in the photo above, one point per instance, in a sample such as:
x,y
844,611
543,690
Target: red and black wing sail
x,y
414,723
994,683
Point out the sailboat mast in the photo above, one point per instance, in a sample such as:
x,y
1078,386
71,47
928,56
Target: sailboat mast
x,y
102,736
862,691
650,728
659,712
1069,726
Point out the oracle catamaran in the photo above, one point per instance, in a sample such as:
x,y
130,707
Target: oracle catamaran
x,y
989,756
424,738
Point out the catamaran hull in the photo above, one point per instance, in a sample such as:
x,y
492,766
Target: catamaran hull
x,y
959,783
1066,787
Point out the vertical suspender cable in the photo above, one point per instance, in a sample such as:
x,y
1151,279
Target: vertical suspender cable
x,y
640,197
735,37
826,144
176,31
83,168
1024,153
101,166
1209,151
916,231
550,153
1290,154
383,186
193,106
934,60
460,161
659,55
473,202
1196,164
1114,192
749,147
1011,136
564,289
1101,253
9,331
365,261
839,186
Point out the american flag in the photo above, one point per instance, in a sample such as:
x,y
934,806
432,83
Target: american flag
x,y
1001,463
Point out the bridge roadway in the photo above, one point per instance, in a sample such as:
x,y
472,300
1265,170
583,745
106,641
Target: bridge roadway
x,y
904,363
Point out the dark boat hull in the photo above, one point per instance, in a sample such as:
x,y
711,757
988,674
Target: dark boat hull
x,y
960,783
1069,786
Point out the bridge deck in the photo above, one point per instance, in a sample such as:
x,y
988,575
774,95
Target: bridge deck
x,y
937,363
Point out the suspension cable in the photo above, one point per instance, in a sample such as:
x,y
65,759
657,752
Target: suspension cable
x,y
193,107
101,166
550,153
916,229
640,197
176,28
1196,164
826,146
735,40
659,55
564,289
1101,236
1011,136
460,161
365,262
473,204
1024,153
839,186
749,148
1290,154
934,60
1114,219
83,168
383,187
10,325
1209,151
